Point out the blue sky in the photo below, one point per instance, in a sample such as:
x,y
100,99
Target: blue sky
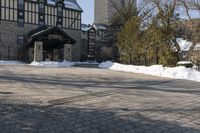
x,y
88,11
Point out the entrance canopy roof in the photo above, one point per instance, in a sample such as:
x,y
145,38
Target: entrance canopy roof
x,y
52,37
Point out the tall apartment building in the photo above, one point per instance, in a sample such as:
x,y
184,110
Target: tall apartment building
x,y
104,9
40,30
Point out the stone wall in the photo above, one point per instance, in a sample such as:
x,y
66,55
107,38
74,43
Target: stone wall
x,y
38,51
68,52
8,43
9,32
76,48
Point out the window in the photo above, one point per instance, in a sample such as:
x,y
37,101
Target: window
x,y
41,8
20,40
20,4
59,11
20,13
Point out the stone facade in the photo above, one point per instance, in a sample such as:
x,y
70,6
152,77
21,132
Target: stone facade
x,y
75,48
68,52
24,22
103,9
9,31
11,50
38,51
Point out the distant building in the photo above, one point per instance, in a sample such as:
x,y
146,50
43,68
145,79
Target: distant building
x,y
103,9
95,45
40,30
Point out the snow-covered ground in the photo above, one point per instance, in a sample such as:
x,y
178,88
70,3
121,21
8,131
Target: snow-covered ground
x,y
53,64
48,63
2,62
155,70
60,64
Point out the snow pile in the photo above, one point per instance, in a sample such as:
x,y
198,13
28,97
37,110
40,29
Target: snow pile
x,y
53,64
9,62
155,70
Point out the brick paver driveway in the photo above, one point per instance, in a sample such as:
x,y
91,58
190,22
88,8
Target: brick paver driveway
x,y
82,100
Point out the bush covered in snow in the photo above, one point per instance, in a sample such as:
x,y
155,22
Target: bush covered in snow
x,y
187,64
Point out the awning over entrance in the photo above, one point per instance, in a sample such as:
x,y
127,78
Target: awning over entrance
x,y
52,37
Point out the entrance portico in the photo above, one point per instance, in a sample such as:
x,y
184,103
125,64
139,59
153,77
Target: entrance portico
x,y
50,44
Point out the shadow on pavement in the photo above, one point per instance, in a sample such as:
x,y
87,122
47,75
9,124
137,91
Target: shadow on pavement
x,y
21,118
107,83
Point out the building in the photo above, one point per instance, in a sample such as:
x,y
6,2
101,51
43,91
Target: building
x,y
40,30
95,43
104,9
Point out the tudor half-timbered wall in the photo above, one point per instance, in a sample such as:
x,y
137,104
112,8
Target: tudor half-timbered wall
x,y
19,17
40,13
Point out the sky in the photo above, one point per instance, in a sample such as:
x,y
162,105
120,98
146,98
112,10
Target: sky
x,y
88,11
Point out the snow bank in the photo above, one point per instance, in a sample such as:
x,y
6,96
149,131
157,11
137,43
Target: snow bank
x,y
9,62
155,70
52,64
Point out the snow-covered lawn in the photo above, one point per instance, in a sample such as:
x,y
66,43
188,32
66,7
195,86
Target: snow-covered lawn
x,y
2,62
53,64
60,64
155,70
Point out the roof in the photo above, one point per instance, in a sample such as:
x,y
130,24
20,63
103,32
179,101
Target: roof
x,y
100,26
197,46
184,44
45,31
85,27
71,4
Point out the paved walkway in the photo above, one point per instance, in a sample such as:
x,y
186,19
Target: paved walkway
x,y
81,100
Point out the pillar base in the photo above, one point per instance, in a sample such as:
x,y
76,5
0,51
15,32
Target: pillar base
x,y
38,51
68,52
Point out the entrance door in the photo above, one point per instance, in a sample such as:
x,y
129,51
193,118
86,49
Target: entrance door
x,y
48,55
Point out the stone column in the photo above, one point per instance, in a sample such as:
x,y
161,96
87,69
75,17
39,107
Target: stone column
x,y
38,51
68,52
55,54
